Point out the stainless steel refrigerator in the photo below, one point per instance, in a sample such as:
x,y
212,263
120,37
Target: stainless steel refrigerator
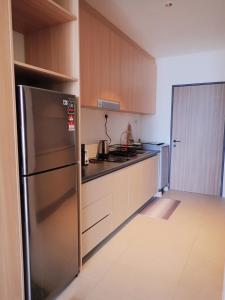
x,y
48,151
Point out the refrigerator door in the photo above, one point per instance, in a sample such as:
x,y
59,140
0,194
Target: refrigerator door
x,y
47,129
50,210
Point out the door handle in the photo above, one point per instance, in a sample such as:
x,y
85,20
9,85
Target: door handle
x,y
175,141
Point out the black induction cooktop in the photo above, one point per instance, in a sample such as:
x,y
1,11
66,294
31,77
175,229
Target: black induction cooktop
x,y
109,159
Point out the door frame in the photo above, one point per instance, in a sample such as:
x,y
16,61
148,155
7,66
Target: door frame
x,y
171,129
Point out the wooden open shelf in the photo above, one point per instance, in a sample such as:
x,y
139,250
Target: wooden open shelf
x,y
30,71
31,15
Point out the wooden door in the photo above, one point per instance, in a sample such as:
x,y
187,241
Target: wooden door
x,y
198,127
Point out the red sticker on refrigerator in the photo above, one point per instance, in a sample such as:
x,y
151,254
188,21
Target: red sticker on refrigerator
x,y
70,118
71,123
71,126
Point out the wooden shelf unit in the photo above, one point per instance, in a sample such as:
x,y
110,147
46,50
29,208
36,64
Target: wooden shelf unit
x,y
31,15
48,43
49,55
40,73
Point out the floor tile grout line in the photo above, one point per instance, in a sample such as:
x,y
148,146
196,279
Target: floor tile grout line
x,y
106,271
187,261
194,225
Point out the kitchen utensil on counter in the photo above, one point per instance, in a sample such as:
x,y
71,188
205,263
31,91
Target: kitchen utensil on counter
x,y
103,149
84,155
130,139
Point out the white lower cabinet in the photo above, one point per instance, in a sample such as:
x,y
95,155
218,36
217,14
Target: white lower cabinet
x,y
142,181
109,200
96,218
96,234
120,197
135,179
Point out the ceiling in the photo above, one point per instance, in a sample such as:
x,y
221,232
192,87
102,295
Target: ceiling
x,y
188,26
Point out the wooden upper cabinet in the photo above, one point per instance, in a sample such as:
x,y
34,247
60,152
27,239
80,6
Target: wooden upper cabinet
x,y
150,84
145,83
95,61
114,55
113,67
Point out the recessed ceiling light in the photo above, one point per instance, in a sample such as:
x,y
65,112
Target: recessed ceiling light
x,y
169,4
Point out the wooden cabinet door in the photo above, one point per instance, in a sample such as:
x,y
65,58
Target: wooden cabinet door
x,y
139,87
127,76
149,178
120,197
134,187
144,72
138,80
94,59
142,182
86,84
114,92
149,86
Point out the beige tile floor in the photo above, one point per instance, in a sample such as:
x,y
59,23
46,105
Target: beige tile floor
x,y
154,259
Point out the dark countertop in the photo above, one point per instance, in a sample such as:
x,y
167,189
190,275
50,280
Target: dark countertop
x,y
96,170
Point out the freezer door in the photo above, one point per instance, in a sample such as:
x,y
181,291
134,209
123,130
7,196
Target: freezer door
x,y
47,129
50,208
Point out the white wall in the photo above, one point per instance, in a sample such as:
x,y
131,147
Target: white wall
x,y
194,68
93,125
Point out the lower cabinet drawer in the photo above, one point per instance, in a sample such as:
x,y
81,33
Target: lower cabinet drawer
x,y
109,200
93,236
96,211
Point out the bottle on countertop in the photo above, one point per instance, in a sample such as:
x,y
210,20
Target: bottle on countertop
x,y
84,155
130,139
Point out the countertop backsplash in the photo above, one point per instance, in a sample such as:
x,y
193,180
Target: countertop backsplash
x,y
93,125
